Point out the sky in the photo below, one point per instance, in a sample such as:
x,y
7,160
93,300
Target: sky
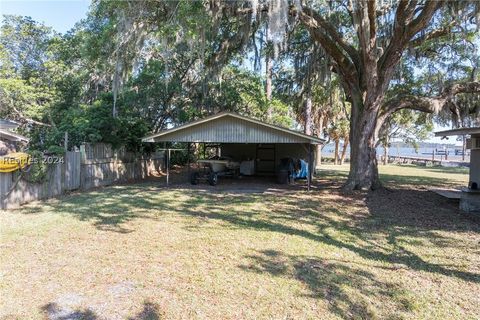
x,y
62,15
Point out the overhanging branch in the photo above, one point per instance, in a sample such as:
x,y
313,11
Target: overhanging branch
x,y
434,34
333,34
429,104
406,26
343,61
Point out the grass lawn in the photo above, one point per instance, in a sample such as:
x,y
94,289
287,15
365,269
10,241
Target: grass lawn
x,y
146,252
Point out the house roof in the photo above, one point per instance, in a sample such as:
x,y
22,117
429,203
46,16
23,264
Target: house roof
x,y
8,124
458,132
227,127
8,135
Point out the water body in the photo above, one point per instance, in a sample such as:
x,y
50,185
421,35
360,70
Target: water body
x,y
405,151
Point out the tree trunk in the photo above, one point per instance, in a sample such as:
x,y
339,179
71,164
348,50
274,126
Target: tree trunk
x,y
308,114
335,159
344,151
385,154
268,84
318,156
364,126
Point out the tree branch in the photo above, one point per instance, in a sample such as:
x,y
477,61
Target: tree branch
x,y
425,104
333,34
429,104
434,34
405,28
372,16
29,120
421,21
343,62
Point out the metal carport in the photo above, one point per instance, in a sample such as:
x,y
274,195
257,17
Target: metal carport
x,y
240,136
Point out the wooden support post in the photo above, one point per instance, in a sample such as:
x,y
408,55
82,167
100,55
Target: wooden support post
x,y
188,160
168,166
310,166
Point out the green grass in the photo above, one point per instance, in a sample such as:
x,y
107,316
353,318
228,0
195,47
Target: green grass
x,y
410,175
146,252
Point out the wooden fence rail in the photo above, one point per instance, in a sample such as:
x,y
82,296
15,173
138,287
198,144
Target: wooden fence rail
x,y
103,172
78,172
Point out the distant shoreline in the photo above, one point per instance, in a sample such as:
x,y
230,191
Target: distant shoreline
x,y
421,152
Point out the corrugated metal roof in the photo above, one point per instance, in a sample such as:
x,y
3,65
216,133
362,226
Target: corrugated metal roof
x,y
458,132
8,124
231,128
8,135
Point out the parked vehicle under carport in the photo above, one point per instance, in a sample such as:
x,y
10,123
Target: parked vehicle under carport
x,y
214,168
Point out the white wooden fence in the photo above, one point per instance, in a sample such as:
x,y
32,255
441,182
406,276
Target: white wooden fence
x,y
80,170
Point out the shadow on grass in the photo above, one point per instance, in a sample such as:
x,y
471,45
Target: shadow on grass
x,y
418,214
392,180
109,209
401,213
53,311
359,231
399,180
150,311
348,291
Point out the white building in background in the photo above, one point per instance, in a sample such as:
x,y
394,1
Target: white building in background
x,y
9,140
470,197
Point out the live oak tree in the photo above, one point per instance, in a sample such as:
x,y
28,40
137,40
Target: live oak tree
x,y
366,50
365,42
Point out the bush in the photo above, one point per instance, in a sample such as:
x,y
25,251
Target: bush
x,y
37,172
56,150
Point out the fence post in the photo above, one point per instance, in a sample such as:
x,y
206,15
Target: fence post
x,y
83,155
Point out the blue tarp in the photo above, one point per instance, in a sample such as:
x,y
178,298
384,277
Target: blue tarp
x,y
303,173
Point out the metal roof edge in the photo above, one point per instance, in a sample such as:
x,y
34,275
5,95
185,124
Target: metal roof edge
x,y
150,138
458,132
14,135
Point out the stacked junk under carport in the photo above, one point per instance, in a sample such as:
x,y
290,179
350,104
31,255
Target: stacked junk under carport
x,y
236,146
215,167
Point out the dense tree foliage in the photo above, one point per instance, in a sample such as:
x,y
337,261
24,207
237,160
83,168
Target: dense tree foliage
x,y
54,83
